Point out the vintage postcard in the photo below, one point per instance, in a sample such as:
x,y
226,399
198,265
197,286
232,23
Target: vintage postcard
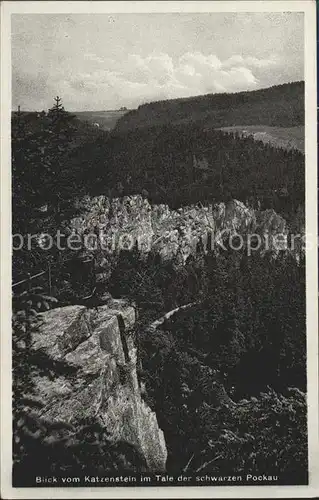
x,y
159,249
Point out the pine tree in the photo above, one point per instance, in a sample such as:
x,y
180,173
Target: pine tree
x,y
61,130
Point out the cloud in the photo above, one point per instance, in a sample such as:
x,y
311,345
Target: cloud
x,y
159,76
199,60
98,62
93,57
156,76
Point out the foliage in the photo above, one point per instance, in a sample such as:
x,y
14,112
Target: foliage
x,y
264,434
247,333
163,163
84,446
42,144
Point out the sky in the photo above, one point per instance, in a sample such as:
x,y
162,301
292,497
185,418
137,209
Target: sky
x,y
106,61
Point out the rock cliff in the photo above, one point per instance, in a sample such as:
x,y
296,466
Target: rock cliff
x,y
173,234
96,350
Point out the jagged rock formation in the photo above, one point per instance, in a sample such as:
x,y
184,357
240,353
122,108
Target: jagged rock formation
x,y
173,234
93,373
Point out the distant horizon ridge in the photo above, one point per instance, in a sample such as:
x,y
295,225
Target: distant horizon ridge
x,y
168,99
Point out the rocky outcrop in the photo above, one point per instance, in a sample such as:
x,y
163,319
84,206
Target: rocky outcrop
x,y
93,374
172,234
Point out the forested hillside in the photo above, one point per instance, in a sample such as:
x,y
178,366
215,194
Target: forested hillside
x,y
279,106
184,164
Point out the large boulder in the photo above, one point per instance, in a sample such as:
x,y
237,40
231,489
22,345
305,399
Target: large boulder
x,y
92,361
61,331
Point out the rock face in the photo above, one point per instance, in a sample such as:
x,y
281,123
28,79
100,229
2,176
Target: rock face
x,y
96,350
172,234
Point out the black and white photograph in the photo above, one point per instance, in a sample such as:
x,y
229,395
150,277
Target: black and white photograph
x,y
161,173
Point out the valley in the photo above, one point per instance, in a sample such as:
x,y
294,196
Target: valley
x,y
106,120
170,334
